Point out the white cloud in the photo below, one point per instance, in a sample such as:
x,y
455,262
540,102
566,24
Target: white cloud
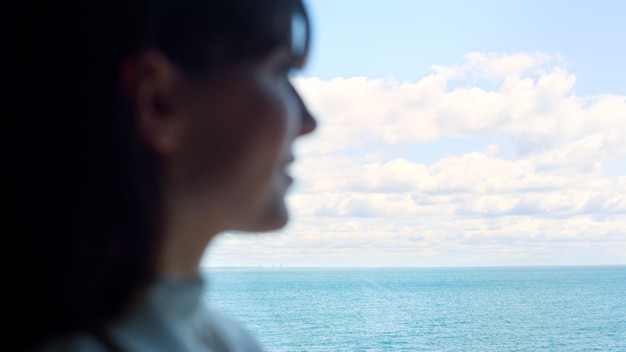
x,y
531,190
535,104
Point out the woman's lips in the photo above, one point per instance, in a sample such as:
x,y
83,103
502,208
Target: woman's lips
x,y
285,169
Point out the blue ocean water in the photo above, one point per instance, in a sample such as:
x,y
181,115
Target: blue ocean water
x,y
434,309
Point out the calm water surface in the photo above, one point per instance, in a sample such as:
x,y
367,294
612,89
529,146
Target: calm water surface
x,y
417,309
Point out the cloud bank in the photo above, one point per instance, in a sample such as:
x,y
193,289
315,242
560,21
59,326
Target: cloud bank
x,y
496,161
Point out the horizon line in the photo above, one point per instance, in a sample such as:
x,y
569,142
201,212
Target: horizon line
x,y
410,267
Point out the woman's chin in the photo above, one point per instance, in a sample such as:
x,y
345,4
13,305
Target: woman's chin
x,y
271,220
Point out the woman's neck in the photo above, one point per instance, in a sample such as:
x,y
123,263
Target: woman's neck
x,y
185,239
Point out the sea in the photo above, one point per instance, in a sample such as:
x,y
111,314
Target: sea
x,y
426,309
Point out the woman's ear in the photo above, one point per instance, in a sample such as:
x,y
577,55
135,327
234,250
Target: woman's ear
x,y
150,82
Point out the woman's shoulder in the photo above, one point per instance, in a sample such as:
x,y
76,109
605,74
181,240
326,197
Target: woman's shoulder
x,y
173,317
74,343
213,330
226,334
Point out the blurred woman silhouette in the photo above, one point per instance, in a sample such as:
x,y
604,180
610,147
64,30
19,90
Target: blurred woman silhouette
x,y
134,132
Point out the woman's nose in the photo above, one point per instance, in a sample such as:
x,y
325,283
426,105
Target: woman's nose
x,y
309,124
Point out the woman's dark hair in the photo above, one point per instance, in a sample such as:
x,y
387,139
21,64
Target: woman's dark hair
x,y
80,189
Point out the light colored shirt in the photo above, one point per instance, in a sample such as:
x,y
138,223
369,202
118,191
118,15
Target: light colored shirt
x,y
173,317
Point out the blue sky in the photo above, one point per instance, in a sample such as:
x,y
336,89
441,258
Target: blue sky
x,y
457,133
403,38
